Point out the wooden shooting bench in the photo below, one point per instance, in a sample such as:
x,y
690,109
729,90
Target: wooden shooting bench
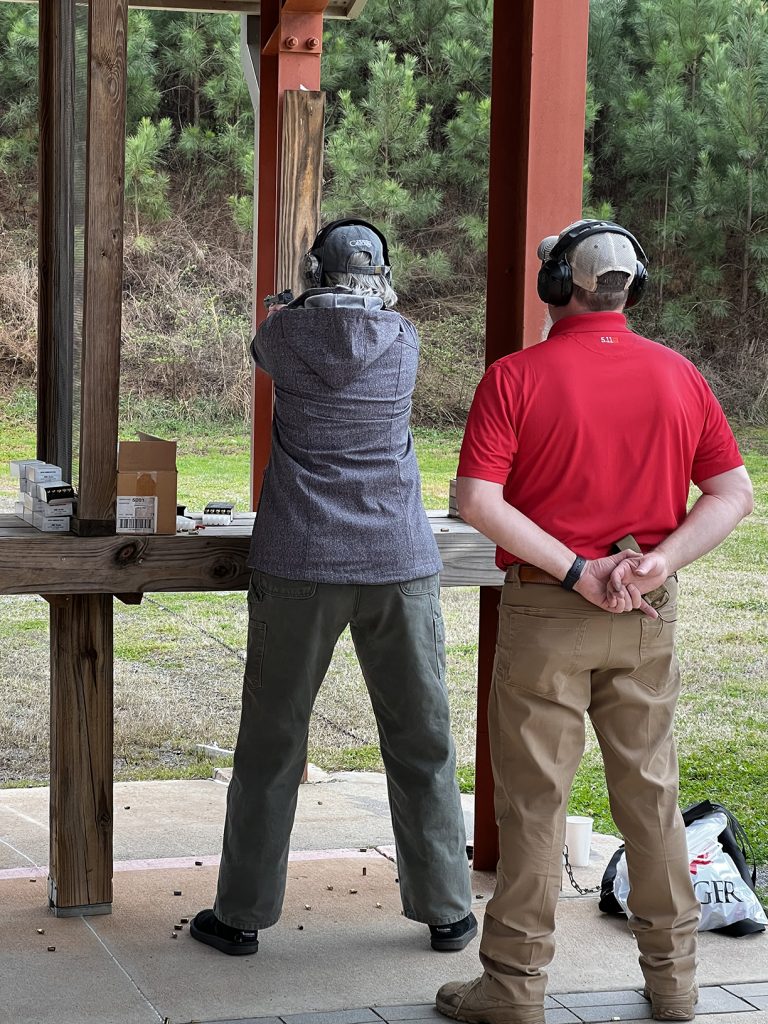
x,y
539,89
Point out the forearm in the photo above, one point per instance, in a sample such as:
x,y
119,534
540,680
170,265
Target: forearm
x,y
515,532
708,523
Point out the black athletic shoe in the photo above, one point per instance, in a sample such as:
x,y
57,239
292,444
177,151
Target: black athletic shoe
x,y
207,928
449,938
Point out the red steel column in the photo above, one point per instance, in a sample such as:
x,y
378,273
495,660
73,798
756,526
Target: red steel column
x,y
537,156
291,46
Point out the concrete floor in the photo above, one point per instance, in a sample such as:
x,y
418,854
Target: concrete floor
x,y
333,950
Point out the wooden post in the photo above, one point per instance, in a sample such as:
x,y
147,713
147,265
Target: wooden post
x,y
55,322
80,878
102,289
534,193
301,185
284,64
81,626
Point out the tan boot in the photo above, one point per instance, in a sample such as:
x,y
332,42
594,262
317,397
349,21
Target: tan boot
x,y
680,1007
466,1001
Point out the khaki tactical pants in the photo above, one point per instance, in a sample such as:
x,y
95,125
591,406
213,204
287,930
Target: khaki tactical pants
x,y
397,630
557,657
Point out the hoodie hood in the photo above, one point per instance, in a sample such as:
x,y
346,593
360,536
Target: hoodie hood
x,y
337,334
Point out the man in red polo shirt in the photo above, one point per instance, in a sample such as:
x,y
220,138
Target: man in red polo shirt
x,y
575,446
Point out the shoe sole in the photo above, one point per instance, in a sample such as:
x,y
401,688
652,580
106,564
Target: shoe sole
x,y
454,945
224,945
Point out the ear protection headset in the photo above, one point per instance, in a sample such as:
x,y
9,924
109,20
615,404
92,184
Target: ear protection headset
x,y
555,280
313,261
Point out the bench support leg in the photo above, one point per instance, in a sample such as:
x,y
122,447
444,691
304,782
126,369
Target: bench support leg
x,y
80,878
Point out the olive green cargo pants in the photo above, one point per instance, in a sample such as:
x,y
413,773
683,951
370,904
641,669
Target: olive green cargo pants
x,y
397,630
557,658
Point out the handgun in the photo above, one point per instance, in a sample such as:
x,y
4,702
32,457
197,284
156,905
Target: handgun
x,y
282,299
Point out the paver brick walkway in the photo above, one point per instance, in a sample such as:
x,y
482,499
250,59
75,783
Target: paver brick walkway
x,y
567,1008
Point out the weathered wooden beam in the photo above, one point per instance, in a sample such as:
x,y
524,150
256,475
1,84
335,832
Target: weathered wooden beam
x,y
80,873
55,320
301,185
50,564
102,291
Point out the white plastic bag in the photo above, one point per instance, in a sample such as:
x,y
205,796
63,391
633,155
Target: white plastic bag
x,y
724,895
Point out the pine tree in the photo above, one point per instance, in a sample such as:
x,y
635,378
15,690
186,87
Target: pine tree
x,y
18,99
732,185
142,93
381,165
146,186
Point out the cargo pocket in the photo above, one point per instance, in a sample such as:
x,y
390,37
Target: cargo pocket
x,y
254,659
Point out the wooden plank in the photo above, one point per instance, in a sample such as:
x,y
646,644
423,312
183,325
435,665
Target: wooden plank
x,y
301,185
55,321
80,878
64,564
102,298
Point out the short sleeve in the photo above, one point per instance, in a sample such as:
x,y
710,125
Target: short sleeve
x,y
490,438
717,451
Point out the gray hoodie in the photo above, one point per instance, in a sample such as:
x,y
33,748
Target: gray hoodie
x,y
341,501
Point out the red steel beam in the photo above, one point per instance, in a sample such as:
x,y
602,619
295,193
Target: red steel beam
x,y
291,46
539,90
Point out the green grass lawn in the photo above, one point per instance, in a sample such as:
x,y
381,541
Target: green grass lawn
x,y
179,656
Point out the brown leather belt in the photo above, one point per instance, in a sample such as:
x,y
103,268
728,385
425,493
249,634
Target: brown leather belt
x,y
530,574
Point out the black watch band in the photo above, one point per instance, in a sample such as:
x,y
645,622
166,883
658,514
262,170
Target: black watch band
x,y
574,573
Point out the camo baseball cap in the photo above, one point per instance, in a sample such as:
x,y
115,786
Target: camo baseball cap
x,y
596,255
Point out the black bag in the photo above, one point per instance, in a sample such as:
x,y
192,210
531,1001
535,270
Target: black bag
x,y
735,844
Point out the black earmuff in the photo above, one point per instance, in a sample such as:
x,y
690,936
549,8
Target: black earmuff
x,y
555,281
313,261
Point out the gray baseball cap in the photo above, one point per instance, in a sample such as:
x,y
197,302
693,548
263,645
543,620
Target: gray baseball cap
x,y
597,255
335,249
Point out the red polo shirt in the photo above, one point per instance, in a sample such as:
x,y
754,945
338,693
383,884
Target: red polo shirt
x,y
596,433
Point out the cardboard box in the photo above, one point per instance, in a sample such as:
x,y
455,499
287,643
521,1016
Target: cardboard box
x,y
19,467
44,508
50,524
42,473
218,513
146,486
57,492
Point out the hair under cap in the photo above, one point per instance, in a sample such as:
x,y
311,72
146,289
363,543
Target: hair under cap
x,y
594,256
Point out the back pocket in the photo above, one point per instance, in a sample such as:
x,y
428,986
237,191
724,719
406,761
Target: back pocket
x,y
536,652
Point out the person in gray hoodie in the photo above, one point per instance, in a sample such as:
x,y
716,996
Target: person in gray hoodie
x,y
341,539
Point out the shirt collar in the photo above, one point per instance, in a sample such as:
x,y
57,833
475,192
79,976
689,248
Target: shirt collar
x,y
589,323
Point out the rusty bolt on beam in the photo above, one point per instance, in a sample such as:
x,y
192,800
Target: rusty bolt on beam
x,y
291,42
313,43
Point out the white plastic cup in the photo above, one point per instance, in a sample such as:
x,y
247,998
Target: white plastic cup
x,y
578,839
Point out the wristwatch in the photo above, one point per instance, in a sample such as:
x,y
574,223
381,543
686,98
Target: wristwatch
x,y
573,575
